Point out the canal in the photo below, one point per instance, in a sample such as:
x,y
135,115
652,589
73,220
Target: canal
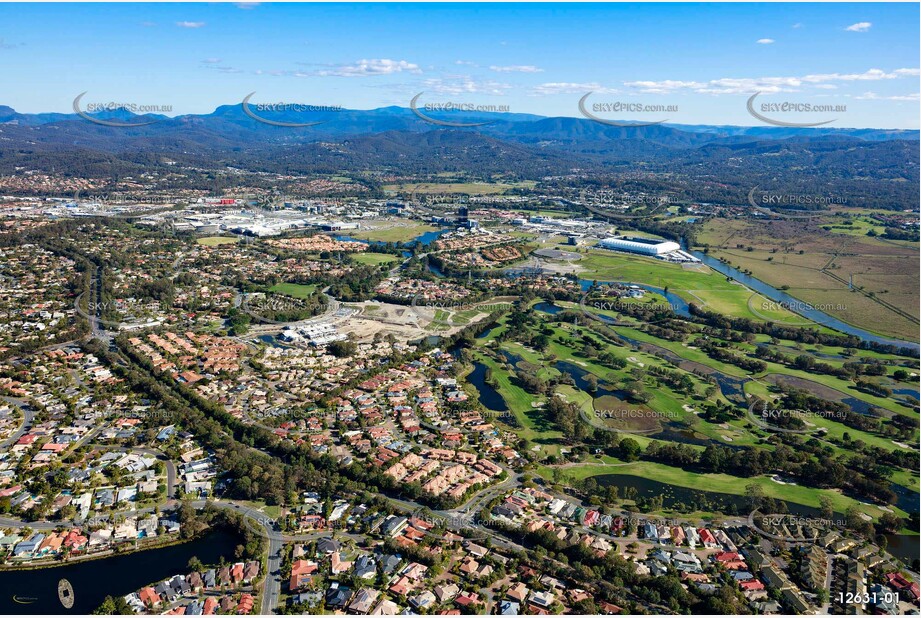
x,y
35,591
797,305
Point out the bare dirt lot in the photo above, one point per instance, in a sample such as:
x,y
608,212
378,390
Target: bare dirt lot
x,y
404,322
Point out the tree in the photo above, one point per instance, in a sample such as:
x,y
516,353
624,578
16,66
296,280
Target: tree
x,y
591,384
754,494
342,349
629,449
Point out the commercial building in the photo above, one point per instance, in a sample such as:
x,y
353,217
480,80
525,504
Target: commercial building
x,y
643,246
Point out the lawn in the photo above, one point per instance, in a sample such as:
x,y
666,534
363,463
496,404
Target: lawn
x,y
698,285
737,432
401,232
843,386
296,290
721,483
375,259
534,425
214,241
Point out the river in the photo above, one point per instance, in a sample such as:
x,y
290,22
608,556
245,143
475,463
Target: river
x,y
798,306
35,591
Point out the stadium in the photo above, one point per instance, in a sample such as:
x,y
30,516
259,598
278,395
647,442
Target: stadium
x,y
644,246
660,249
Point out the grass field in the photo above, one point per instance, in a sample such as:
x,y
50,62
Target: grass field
x,y
214,241
534,425
402,232
699,285
375,259
721,483
817,265
296,290
833,382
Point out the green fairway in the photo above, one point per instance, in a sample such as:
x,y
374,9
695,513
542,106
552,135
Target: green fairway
x,y
721,483
674,410
375,259
534,425
402,233
296,290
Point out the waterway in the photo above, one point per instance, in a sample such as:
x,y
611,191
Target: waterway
x,y
36,591
676,303
488,396
798,306
545,307
423,239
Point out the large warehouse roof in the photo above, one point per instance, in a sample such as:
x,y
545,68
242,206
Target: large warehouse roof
x,y
646,246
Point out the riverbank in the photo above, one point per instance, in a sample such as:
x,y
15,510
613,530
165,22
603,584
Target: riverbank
x,y
113,575
108,553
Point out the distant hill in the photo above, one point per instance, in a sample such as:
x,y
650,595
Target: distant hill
x,y
880,165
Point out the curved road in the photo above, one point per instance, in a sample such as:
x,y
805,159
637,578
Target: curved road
x,y
27,415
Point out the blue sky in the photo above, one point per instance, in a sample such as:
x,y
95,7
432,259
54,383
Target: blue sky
x,y
706,59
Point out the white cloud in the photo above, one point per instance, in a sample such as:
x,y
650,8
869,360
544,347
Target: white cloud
x,y
212,61
551,88
861,26
797,26
870,75
465,63
464,84
872,96
148,24
750,85
364,68
664,86
765,41
247,5
190,24
519,68
223,69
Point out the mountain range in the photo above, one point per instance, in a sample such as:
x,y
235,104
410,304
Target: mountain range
x,y
394,139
